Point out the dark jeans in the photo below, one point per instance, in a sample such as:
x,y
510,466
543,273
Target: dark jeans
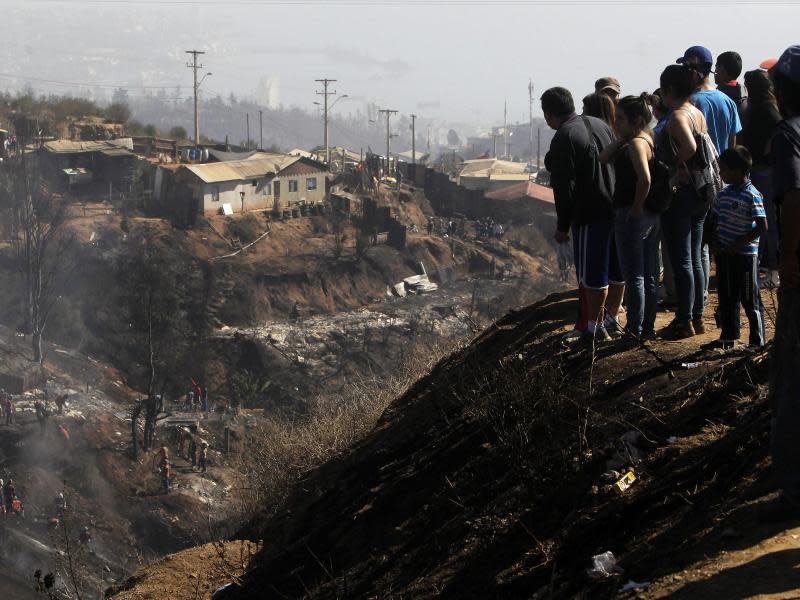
x,y
737,286
684,236
637,248
769,244
784,387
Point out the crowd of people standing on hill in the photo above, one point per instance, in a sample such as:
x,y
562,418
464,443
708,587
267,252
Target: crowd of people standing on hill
x,y
668,179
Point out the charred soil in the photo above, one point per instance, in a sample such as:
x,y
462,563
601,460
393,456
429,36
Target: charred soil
x,y
486,479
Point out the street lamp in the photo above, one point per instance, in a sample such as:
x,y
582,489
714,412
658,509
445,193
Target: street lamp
x,y
327,135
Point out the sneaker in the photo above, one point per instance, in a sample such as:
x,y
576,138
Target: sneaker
x,y
612,327
699,326
678,330
778,510
600,336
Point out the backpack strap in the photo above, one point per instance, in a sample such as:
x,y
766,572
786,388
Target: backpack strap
x,y
649,143
691,118
589,129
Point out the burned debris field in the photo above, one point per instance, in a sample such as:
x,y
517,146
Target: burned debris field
x,y
399,300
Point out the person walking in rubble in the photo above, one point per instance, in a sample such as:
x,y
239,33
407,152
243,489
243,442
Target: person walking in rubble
x,y
9,493
165,469
60,505
193,451
203,456
10,408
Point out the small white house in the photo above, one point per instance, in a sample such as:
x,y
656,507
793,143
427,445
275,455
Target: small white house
x,y
264,181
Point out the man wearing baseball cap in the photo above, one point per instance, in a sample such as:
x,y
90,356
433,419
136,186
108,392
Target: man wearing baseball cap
x,y
785,358
608,86
720,111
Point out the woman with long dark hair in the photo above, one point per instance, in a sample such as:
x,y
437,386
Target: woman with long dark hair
x,y
636,228
684,145
602,107
760,124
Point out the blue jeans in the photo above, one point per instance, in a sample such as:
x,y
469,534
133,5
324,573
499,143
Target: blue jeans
x,y
768,247
784,388
637,247
683,233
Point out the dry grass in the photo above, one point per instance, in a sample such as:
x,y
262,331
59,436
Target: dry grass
x,y
280,451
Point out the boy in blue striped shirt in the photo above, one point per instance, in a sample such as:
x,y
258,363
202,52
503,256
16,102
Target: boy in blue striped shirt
x,y
740,221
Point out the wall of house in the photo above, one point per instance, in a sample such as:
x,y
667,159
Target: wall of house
x,y
258,194
302,193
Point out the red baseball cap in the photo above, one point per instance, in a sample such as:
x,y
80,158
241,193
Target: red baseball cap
x,y
768,63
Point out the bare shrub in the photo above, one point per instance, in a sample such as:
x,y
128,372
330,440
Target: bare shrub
x,y
526,410
280,451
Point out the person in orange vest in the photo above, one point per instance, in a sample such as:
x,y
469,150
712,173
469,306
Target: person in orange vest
x,y
165,469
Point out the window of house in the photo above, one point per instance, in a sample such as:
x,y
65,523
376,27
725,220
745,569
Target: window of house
x,y
292,185
215,194
267,189
255,183
311,183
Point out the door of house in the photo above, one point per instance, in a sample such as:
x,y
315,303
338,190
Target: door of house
x,y
277,188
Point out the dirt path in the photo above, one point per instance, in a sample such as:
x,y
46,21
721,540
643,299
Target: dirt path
x,y
766,566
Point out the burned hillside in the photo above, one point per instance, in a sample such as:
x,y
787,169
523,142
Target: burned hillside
x,y
493,476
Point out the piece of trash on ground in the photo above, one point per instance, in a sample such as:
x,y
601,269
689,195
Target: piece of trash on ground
x,y
625,482
634,585
603,565
691,365
672,439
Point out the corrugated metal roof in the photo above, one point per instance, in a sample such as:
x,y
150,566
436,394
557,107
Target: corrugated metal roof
x,y
241,170
530,189
483,167
70,147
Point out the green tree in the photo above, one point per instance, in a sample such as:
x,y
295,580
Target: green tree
x,y
117,113
178,133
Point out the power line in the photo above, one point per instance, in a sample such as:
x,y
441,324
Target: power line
x,y
85,84
424,3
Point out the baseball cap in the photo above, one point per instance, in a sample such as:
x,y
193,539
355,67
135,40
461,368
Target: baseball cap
x,y
767,64
701,53
607,83
788,64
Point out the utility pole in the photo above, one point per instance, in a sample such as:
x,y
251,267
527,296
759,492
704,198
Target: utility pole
x,y
325,83
505,127
388,114
413,140
538,147
530,105
194,66
247,120
261,128
428,148
494,145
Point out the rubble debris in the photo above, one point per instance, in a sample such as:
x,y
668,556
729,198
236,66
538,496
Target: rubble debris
x,y
603,565
634,585
625,482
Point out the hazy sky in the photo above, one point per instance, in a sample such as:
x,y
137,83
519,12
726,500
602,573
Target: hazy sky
x,y
454,59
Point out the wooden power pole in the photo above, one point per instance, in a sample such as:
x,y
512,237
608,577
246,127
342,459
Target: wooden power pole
x,y
325,83
413,140
194,67
388,114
